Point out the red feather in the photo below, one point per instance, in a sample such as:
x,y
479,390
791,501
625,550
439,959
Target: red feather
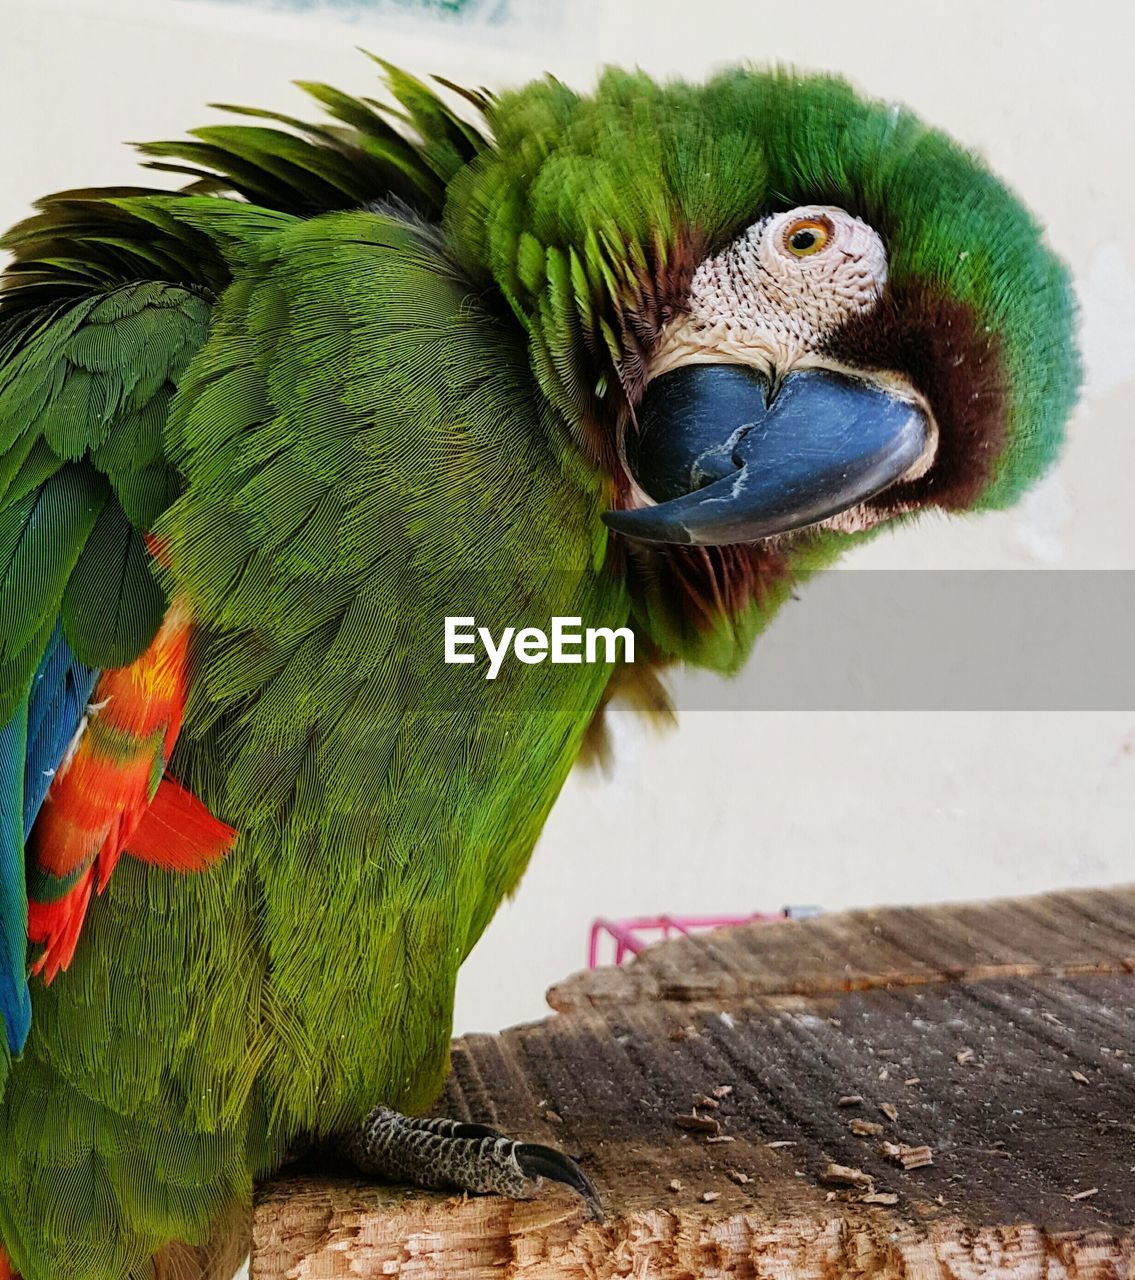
x,y
103,801
178,833
57,926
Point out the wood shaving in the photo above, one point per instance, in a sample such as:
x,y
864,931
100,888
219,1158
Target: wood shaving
x,y
775,1146
846,1176
694,1123
723,1091
879,1197
735,1175
963,1056
850,1100
865,1128
704,1100
675,1184
912,1080
909,1157
708,1197
553,1117
1083,1195
721,1137
889,1110
1079,1075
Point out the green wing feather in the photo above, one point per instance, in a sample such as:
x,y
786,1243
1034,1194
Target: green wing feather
x,y
87,374
83,399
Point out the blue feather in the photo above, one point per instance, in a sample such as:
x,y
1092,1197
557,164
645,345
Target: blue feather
x,y
61,690
15,1000
32,744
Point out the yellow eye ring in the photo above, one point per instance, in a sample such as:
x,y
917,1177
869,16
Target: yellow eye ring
x,y
806,236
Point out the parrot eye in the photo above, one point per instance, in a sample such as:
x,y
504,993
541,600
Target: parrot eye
x,y
807,236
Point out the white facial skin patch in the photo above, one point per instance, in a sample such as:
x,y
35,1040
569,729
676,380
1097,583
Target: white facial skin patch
x,y
770,299
773,295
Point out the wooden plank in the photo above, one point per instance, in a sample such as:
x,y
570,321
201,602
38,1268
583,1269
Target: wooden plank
x,y
363,1234
1023,1088
1075,932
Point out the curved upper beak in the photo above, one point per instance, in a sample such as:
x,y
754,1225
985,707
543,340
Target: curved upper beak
x,y
729,458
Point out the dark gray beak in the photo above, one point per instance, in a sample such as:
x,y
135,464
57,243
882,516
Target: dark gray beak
x,y
727,458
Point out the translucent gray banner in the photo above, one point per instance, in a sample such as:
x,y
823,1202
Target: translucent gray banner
x,y
907,640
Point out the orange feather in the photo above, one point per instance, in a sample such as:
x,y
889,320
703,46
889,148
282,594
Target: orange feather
x,y
109,795
56,926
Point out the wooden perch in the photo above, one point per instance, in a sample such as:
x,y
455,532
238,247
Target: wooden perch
x,y
934,1092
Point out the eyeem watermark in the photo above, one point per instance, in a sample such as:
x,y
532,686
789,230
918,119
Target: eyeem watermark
x,y
570,642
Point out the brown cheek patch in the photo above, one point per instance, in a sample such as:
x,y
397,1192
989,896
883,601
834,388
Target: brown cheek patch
x,y
651,299
695,587
936,344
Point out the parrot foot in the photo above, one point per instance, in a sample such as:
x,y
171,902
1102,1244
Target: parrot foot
x,y
441,1153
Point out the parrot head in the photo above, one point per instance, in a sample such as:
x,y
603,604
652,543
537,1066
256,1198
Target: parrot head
x,y
775,316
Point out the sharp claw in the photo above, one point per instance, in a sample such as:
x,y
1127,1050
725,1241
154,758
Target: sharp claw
x,y
546,1162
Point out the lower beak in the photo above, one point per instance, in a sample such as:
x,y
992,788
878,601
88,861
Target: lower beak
x,y
727,459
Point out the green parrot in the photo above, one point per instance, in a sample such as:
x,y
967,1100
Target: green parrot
x,y
643,359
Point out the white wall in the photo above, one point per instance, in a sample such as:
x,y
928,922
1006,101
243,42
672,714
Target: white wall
x,y
739,810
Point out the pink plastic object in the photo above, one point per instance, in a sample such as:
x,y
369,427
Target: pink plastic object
x,y
632,935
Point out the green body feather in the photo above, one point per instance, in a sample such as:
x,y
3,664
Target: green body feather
x,y
392,418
